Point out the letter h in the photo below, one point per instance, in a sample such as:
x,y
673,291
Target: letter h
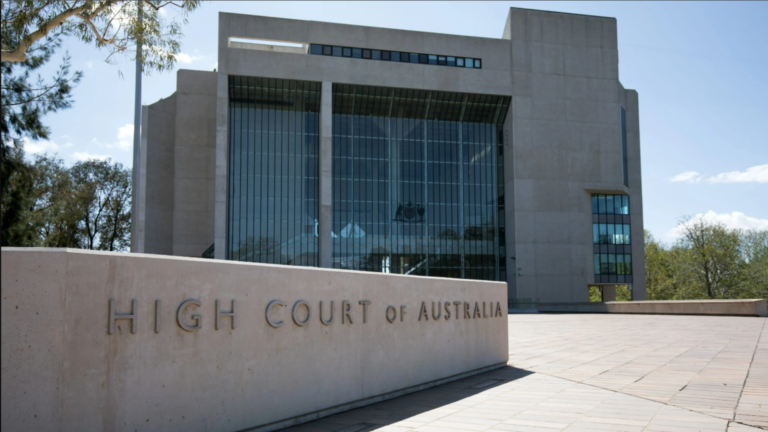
x,y
220,313
114,316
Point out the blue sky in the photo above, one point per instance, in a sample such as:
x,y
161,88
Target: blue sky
x,y
700,70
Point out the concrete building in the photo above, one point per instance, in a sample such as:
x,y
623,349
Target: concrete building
x,y
514,159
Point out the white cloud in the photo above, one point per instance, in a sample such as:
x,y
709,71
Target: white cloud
x,y
124,139
755,174
38,147
84,156
187,59
735,220
687,177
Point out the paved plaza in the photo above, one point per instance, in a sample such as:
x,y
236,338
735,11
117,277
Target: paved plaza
x,y
597,373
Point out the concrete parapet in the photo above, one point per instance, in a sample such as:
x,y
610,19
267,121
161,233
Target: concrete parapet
x,y
123,342
746,307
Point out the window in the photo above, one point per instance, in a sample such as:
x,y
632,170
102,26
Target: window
x,y
376,55
337,51
451,61
357,53
417,192
386,55
366,54
468,62
611,238
477,63
423,58
433,59
460,62
405,57
397,56
440,60
327,50
347,52
272,190
316,49
414,58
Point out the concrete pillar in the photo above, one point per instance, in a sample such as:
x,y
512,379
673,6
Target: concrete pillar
x,y
326,175
609,293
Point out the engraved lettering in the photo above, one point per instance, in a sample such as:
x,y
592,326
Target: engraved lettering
x,y
197,318
220,313
485,315
439,311
393,314
301,323
321,314
466,311
345,307
423,312
476,313
447,310
365,304
402,312
457,308
270,321
498,308
113,316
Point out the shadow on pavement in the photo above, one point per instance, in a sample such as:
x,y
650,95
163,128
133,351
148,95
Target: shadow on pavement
x,y
401,408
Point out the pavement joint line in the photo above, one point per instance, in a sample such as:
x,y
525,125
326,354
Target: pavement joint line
x,y
744,384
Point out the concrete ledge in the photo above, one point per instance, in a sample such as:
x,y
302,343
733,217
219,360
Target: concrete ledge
x,y
746,307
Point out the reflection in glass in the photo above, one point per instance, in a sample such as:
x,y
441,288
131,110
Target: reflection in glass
x,y
273,160
415,185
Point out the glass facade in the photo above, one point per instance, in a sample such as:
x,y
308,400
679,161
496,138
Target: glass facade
x,y
273,171
611,238
396,56
417,182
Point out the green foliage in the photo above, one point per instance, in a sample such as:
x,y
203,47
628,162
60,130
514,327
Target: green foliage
x,y
113,25
84,206
710,261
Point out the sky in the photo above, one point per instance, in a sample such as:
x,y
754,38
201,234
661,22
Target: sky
x,y
700,68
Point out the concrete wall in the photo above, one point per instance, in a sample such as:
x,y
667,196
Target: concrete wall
x,y
176,212
566,139
62,370
194,162
157,177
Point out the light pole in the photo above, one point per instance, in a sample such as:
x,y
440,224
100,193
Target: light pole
x,y
136,141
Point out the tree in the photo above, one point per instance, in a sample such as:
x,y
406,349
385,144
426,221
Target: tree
x,y
713,260
31,32
659,279
102,199
112,24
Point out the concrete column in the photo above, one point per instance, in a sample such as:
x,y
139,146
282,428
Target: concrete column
x,y
609,293
326,175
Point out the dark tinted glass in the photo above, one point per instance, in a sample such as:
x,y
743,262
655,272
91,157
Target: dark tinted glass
x,y
414,58
315,49
327,50
451,61
594,204
440,60
347,52
386,55
357,53
272,171
433,59
414,188
609,206
337,51
405,57
366,54
375,55
423,58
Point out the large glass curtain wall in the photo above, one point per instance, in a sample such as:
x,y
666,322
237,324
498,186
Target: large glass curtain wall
x,y
418,182
273,170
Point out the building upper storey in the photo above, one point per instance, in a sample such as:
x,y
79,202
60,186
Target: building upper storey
x,y
532,41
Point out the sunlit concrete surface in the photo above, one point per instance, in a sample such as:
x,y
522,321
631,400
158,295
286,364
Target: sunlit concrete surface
x,y
595,372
